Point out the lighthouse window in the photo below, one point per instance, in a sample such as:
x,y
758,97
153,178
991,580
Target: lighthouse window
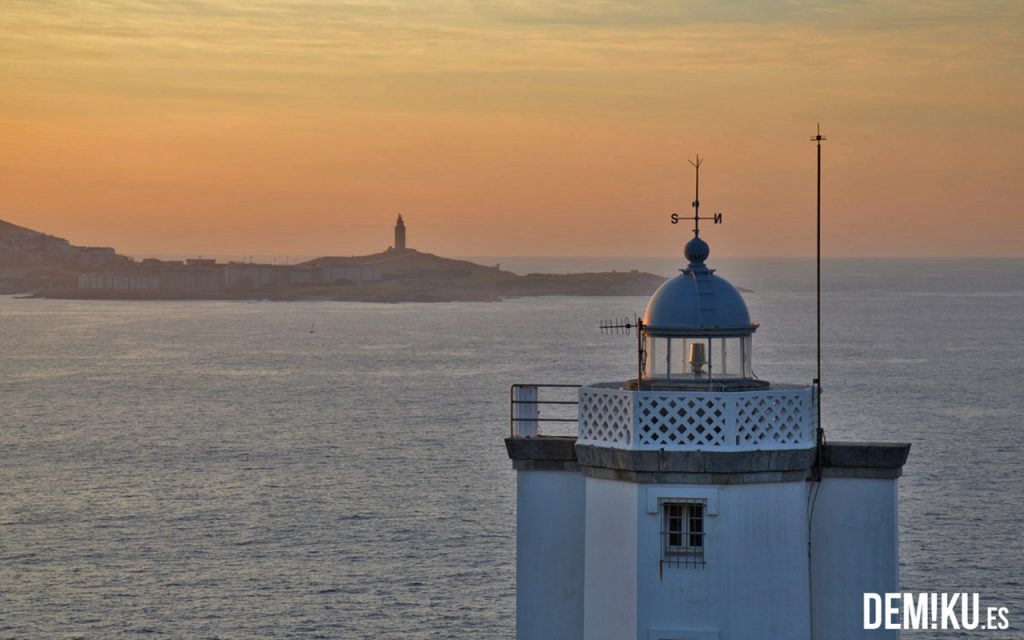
x,y
683,533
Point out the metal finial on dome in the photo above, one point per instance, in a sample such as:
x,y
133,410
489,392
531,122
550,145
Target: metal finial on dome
x,y
697,250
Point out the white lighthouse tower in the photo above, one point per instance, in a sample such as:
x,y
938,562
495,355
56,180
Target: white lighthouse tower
x,y
697,501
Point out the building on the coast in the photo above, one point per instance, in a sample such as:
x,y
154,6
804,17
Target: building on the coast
x,y
156,262
96,256
197,275
355,272
244,275
207,276
399,234
118,282
697,501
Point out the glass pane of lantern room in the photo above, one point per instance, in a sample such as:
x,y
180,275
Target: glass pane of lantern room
x,y
719,362
729,360
683,357
658,352
746,356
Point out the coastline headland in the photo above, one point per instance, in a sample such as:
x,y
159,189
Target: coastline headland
x,y
41,265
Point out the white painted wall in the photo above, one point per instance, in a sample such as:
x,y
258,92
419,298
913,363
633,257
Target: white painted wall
x,y
855,549
754,583
590,550
549,561
680,602
767,563
610,600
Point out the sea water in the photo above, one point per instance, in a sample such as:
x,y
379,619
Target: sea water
x,y
337,470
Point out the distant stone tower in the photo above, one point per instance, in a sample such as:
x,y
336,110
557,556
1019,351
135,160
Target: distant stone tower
x,y
400,234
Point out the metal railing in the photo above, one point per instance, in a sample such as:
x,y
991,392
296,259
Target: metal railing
x,y
525,405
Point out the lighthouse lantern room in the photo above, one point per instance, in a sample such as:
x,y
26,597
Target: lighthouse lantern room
x,y
697,332
697,501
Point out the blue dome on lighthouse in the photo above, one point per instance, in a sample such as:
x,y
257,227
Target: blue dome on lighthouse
x,y
697,302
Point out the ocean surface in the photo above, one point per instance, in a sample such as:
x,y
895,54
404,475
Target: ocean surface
x,y
216,470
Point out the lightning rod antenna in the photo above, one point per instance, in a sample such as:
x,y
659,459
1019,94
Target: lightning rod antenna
x,y
818,139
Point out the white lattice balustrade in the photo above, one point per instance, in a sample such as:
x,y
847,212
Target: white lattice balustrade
x,y
778,418
606,415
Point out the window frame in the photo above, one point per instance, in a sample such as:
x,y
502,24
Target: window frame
x,y
683,520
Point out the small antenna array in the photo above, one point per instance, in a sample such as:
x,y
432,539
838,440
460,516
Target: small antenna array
x,y
624,326
618,326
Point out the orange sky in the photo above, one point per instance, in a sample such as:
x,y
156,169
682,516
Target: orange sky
x,y
516,127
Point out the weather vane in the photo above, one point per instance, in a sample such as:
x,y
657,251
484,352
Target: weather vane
x,y
716,217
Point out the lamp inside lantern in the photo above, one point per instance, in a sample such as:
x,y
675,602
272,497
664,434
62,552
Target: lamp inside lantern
x,y
698,358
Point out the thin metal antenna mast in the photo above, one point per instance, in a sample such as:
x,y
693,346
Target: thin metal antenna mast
x,y
818,138
820,435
